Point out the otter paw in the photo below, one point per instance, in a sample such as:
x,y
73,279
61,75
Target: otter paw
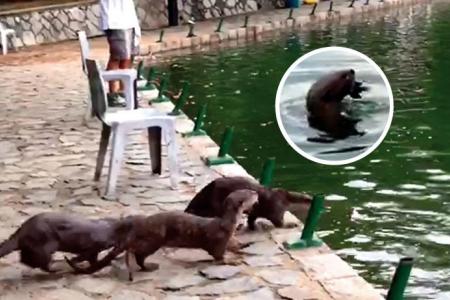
x,y
150,267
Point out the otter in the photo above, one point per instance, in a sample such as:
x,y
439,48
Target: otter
x,y
43,234
326,111
271,205
145,235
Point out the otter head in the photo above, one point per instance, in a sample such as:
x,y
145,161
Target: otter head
x,y
357,86
241,200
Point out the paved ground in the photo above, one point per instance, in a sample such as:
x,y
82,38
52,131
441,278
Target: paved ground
x,y
47,162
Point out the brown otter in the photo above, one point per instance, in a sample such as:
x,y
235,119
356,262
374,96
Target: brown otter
x,y
324,104
271,205
43,234
177,229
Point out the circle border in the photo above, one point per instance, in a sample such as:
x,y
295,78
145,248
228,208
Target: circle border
x,y
309,156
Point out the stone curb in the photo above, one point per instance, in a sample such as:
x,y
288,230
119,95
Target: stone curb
x,y
254,32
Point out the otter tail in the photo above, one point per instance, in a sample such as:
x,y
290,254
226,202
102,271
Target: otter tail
x,y
9,245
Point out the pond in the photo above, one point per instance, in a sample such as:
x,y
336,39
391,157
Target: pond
x,y
393,203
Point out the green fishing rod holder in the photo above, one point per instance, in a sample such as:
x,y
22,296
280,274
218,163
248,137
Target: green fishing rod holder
x,y
219,26
400,279
140,70
223,157
308,239
162,90
199,122
245,21
291,12
191,25
151,76
182,100
161,36
313,11
267,172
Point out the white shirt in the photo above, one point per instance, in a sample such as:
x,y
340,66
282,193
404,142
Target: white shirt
x,y
118,14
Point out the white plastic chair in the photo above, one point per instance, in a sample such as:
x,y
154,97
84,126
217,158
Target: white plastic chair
x,y
158,124
4,32
127,76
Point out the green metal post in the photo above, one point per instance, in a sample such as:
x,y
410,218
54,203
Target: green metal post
x,y
140,70
307,238
162,89
245,22
161,35
149,86
182,100
219,26
291,11
223,157
313,11
330,9
400,279
191,29
198,127
267,172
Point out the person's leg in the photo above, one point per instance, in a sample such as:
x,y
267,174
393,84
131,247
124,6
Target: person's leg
x,y
114,57
127,51
117,39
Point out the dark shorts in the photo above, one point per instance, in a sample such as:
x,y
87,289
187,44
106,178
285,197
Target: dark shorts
x,y
120,43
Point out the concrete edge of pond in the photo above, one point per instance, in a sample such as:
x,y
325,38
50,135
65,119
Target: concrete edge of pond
x,y
263,23
321,265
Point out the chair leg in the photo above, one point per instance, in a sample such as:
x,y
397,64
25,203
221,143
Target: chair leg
x,y
106,132
89,113
129,93
172,154
118,147
14,41
136,102
154,143
4,42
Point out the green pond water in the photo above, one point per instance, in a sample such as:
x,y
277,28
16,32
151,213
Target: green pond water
x,y
393,203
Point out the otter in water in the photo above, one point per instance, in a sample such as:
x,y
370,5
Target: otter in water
x,y
43,234
271,205
146,235
326,111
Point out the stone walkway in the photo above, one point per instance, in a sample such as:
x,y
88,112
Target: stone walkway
x,y
47,160
47,164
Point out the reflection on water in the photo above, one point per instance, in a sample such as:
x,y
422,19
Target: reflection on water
x,y
382,210
372,108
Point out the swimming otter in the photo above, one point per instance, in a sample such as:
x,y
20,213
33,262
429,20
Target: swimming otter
x,y
176,229
324,103
271,205
43,234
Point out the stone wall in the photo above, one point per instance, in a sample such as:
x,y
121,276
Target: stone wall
x,y
59,24
53,25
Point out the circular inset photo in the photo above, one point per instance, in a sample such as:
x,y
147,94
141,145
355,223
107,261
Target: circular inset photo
x,y
334,105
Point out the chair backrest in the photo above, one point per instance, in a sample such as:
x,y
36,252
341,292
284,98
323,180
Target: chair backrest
x,y
84,46
97,89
